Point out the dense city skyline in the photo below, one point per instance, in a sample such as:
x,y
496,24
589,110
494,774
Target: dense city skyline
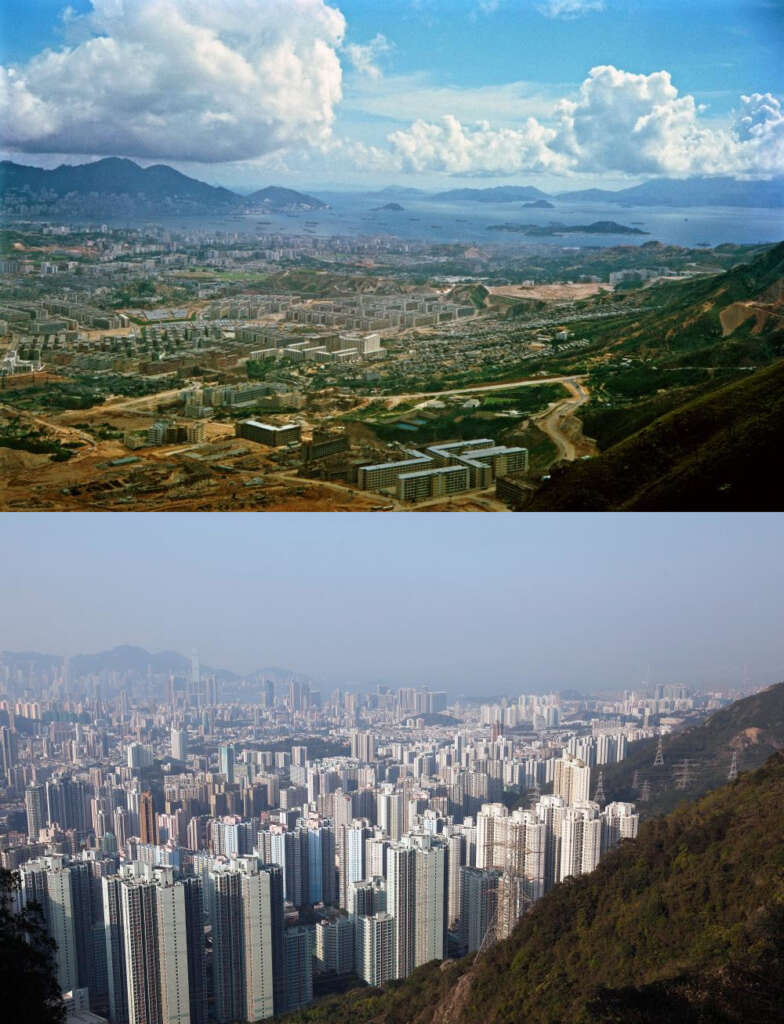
x,y
597,606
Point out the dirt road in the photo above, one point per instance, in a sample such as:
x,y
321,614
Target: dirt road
x,y
59,429
559,424
525,382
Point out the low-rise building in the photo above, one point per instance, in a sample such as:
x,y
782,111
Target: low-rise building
x,y
267,433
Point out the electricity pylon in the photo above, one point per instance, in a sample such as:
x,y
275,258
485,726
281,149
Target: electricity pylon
x,y
682,774
658,761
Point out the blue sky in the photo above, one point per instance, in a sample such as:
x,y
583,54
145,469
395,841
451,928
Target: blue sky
x,y
378,68
468,603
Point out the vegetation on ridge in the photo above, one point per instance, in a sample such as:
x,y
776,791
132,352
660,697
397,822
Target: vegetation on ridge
x,y
685,923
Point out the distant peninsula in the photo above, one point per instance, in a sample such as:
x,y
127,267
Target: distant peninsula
x,y
539,204
599,227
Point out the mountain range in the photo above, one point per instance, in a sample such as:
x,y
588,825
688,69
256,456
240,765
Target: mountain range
x,y
133,660
116,184
689,192
657,192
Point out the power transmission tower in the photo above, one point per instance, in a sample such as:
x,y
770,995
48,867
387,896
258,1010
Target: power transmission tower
x,y
599,796
490,936
733,772
646,792
682,774
636,780
658,761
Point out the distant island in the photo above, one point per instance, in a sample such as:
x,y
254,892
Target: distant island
x,y
539,204
686,192
393,207
498,194
599,227
284,199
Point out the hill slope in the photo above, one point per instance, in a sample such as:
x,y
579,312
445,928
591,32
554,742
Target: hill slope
x,y
752,729
718,452
681,416
685,923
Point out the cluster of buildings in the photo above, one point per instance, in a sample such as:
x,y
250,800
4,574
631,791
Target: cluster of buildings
x,y
444,469
378,312
191,866
131,890
199,403
345,347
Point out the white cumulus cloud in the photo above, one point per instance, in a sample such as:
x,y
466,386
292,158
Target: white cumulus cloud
x,y
364,56
181,80
618,122
759,128
478,149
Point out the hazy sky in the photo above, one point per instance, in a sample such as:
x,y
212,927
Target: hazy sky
x,y
558,93
467,603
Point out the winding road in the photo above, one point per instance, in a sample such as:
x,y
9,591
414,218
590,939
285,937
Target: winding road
x,y
552,421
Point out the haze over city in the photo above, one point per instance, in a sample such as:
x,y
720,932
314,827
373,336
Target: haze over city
x,y
588,602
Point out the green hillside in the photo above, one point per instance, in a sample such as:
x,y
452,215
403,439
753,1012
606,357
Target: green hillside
x,y
686,323
751,729
685,923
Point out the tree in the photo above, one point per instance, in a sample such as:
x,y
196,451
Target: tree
x,y
28,977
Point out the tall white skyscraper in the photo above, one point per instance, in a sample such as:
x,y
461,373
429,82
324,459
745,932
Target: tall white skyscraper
x,y
479,905
401,905
549,811
416,898
179,744
375,948
621,821
48,881
155,936
114,934
457,852
35,808
430,895
226,759
491,836
572,779
391,812
363,746
241,918
581,832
